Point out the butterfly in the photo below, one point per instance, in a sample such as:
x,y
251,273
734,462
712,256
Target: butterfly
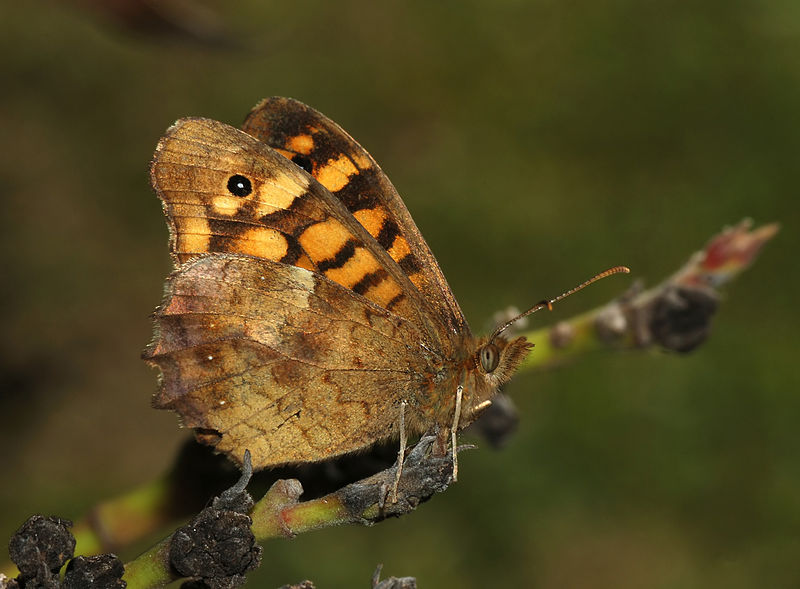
x,y
306,317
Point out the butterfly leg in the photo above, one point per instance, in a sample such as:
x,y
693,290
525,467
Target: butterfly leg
x,y
454,430
401,454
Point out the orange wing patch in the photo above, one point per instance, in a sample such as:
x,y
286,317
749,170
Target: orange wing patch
x,y
325,240
371,219
264,242
302,143
335,173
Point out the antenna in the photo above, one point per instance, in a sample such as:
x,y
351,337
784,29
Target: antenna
x,y
548,304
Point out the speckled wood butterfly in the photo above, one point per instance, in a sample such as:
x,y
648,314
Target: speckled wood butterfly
x,y
306,316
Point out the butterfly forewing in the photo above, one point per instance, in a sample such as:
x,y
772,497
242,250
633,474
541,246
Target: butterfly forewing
x,y
338,162
225,192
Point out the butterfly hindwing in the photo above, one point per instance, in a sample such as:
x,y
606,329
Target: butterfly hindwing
x,y
280,360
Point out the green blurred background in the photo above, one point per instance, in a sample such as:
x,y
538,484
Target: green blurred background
x,y
535,143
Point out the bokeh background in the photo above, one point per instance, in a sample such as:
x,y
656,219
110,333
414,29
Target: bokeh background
x,y
535,143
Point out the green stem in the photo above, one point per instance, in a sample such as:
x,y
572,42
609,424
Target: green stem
x,y
150,569
552,349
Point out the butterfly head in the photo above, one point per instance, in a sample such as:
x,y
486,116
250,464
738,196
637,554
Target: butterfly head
x,y
497,359
491,365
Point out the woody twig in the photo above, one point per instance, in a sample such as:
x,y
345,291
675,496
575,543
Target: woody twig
x,y
218,545
674,315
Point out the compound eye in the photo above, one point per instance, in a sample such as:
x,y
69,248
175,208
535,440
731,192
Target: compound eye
x,y
490,357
